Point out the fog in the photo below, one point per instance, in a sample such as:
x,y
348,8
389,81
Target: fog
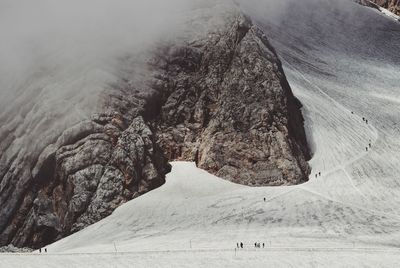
x,y
44,39
57,58
56,50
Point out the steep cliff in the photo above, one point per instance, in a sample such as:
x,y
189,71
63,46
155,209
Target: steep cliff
x,y
217,96
229,107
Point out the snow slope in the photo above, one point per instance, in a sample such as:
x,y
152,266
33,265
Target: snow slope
x,y
342,61
195,219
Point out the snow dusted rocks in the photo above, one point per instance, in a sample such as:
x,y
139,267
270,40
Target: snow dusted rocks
x,y
392,5
217,96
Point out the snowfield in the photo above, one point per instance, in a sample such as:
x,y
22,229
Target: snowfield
x,y
196,219
343,63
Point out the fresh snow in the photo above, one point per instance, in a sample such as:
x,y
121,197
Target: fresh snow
x,y
342,62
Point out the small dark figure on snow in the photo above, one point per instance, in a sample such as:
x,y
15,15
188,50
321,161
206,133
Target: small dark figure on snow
x,y
255,245
45,250
241,244
370,145
237,245
263,245
363,118
264,199
316,175
319,173
366,149
40,250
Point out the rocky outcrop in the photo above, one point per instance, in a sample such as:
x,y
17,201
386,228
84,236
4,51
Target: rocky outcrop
x,y
90,170
230,109
217,96
392,5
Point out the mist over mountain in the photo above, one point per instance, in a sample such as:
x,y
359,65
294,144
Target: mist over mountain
x,y
102,102
136,128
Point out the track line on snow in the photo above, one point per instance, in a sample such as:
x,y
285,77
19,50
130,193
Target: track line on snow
x,y
374,212
359,156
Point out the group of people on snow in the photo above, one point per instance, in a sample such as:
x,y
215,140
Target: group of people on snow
x,y
40,250
256,245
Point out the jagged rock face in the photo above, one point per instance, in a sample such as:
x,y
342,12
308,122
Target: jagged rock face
x,y
392,5
91,169
217,96
230,109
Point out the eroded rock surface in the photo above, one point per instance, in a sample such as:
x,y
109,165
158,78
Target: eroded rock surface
x,y
217,96
392,5
230,109
90,170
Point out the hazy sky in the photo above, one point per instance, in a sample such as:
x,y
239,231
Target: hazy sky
x,y
49,36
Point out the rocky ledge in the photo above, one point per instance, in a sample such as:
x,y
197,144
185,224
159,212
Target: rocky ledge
x,y
219,98
391,5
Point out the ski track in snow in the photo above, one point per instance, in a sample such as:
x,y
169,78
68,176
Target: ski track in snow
x,y
348,216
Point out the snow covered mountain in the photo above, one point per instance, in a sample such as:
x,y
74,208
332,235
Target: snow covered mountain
x,y
88,133
342,62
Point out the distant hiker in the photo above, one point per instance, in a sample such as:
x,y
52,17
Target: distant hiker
x,y
255,245
45,250
40,250
316,175
241,244
363,118
320,173
366,121
366,149
264,199
263,245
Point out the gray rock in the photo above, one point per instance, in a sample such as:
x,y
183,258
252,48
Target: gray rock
x,y
231,110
